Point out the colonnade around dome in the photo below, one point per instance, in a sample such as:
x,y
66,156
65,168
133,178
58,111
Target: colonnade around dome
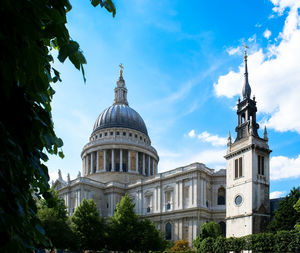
x,y
119,160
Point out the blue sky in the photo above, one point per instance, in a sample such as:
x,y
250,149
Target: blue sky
x,y
184,73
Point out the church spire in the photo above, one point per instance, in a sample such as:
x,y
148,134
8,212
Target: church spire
x,y
246,92
120,90
246,110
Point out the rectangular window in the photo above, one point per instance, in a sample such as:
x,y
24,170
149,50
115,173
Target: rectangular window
x,y
236,168
240,167
258,164
261,165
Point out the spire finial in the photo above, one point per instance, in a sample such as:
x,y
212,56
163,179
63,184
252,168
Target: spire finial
x,y
229,139
246,92
245,57
121,69
120,90
265,134
59,174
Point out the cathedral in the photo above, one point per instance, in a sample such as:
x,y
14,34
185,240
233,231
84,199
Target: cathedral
x,y
119,159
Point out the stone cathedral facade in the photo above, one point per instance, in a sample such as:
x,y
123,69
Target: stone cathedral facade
x,y
119,159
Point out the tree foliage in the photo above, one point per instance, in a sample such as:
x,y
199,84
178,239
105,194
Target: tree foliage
x,y
180,245
220,245
29,31
282,241
207,245
286,216
209,229
88,226
54,219
297,208
128,232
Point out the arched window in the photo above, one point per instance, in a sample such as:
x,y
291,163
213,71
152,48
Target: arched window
x,y
168,231
221,196
223,227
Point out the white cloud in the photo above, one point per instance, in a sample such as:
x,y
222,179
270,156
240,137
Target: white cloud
x,y
283,167
192,133
205,136
234,50
274,75
267,33
215,140
277,194
252,38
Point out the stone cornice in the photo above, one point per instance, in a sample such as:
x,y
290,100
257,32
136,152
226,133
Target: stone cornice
x,y
189,212
245,149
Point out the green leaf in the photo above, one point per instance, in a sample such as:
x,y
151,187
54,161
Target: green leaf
x,y
68,50
95,2
61,154
109,6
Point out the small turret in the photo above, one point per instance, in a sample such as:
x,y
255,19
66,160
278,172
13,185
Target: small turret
x,y
229,139
59,175
265,134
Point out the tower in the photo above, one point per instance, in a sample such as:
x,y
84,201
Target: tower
x,y
247,171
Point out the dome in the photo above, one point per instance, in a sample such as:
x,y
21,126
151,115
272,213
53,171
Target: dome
x,y
120,115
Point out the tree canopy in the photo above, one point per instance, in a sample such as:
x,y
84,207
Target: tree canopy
x,y
54,219
88,226
209,229
297,208
286,216
29,31
128,232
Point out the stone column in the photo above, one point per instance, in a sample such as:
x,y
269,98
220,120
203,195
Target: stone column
x,y
104,159
195,192
153,170
137,162
177,199
121,160
112,160
92,163
128,161
97,165
205,193
144,168
86,165
202,191
190,234
82,170
191,190
149,158
181,194
83,166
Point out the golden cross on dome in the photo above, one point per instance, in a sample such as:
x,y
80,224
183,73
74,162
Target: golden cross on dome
x,y
245,51
121,69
